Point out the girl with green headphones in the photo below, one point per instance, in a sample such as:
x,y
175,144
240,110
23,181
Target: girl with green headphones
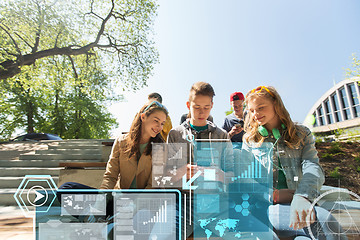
x,y
297,174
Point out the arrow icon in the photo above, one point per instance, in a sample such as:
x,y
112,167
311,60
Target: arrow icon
x,y
187,185
38,196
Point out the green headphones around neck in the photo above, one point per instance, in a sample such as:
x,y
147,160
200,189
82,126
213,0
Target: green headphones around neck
x,y
276,132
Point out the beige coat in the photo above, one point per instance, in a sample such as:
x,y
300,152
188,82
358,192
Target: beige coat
x,y
121,169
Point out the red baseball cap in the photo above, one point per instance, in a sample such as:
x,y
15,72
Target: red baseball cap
x,y
236,96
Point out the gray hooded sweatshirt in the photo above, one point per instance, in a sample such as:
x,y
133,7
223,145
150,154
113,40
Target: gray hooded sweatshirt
x,y
217,138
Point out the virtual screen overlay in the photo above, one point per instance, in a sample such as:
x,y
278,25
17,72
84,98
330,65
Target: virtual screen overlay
x,y
111,214
228,191
210,189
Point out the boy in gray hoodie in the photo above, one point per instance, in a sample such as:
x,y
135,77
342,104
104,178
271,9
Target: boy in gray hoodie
x,y
216,144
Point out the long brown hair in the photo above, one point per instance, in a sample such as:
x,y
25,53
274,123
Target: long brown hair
x,y
133,138
293,136
200,88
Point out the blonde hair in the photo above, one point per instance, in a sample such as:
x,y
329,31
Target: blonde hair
x,y
200,88
293,136
133,138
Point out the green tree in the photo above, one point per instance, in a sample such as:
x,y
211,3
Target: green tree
x,y
69,98
354,70
229,111
79,94
18,103
116,31
61,60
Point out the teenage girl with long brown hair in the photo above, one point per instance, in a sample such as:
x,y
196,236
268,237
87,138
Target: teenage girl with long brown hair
x,y
130,163
297,174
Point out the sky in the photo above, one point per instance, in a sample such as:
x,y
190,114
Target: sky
x,y
300,47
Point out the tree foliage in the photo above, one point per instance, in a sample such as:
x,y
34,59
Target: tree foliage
x,y
354,70
116,31
60,62
69,98
229,112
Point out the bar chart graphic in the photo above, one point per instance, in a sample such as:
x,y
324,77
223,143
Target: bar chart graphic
x,y
166,160
143,215
177,155
253,164
253,170
160,216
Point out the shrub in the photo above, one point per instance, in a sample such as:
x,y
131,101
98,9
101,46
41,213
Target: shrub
x,y
327,156
335,173
335,148
357,159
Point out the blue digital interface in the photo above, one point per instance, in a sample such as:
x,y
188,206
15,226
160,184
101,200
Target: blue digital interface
x,y
111,214
232,204
226,196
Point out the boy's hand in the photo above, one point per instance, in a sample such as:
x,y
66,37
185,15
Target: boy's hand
x,y
235,130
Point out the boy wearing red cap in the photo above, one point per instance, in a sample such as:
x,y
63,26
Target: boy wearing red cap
x,y
234,123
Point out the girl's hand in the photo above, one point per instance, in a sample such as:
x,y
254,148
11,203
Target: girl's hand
x,y
300,213
283,196
193,169
185,170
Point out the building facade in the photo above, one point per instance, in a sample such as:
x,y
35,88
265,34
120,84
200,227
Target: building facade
x,y
338,108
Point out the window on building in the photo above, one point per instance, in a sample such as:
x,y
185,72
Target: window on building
x,y
329,116
357,111
321,116
345,103
354,98
315,123
335,102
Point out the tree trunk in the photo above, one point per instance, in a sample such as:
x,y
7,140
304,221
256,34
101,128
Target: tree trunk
x,y
30,116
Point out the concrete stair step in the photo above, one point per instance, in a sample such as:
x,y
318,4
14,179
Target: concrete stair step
x,y
68,151
22,171
60,156
84,140
74,141
14,182
39,163
79,144
11,154
335,193
7,197
67,147
329,205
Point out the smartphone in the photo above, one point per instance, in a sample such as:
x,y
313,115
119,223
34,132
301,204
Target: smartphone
x,y
240,124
